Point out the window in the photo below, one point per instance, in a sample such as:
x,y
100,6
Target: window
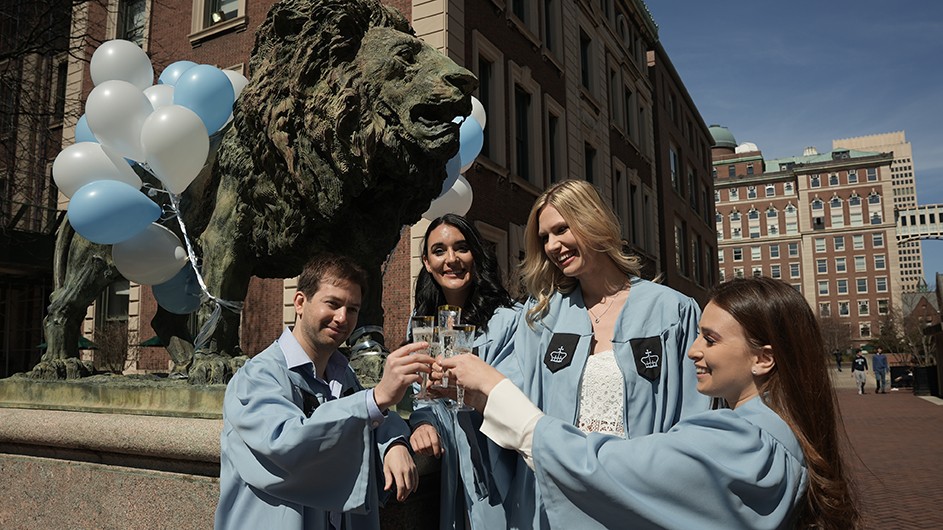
x,y
872,174
112,305
775,271
861,285
839,242
554,141
825,310
716,195
734,194
854,200
880,284
852,176
681,249
750,169
586,61
864,308
787,188
589,158
864,328
883,307
875,218
525,14
841,265
820,244
735,215
738,254
833,179
857,242
817,204
552,27
720,255
793,250
522,133
756,253
844,309
815,181
132,18
211,17
751,192
757,271
860,265
731,171
823,287
880,262
821,266
793,270
774,251
736,233
877,240
770,190
674,165
841,286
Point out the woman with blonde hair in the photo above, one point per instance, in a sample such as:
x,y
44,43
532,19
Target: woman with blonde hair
x,y
770,459
599,348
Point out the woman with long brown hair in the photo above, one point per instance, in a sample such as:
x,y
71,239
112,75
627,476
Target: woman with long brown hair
x,y
770,459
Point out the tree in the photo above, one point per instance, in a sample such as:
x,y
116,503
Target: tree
x,y
836,333
903,337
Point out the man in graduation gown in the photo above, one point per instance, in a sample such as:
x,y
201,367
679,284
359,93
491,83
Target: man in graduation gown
x,y
303,444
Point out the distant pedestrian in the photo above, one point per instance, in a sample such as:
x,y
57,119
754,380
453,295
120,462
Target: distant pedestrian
x,y
859,369
879,365
837,354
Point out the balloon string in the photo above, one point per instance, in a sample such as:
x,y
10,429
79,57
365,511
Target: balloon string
x,y
209,326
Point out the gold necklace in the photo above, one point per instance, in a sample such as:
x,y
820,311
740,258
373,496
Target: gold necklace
x,y
596,318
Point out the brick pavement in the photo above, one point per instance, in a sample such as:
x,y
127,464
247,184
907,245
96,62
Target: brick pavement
x,y
897,454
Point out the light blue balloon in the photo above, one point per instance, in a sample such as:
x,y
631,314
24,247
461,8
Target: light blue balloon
x,y
83,133
207,91
109,212
471,139
172,73
181,294
452,172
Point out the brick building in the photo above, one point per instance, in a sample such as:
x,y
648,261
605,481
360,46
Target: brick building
x,y
822,222
571,89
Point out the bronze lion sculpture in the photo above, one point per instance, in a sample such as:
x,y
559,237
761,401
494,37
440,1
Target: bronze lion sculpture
x,y
339,140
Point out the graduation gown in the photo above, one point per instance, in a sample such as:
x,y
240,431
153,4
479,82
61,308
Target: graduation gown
x,y
652,334
465,479
280,468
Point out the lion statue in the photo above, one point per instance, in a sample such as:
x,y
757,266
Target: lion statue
x,y
340,140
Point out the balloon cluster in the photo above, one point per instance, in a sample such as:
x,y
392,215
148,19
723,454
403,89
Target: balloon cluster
x,y
165,130
456,196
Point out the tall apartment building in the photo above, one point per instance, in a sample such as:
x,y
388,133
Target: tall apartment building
x,y
903,176
822,222
570,91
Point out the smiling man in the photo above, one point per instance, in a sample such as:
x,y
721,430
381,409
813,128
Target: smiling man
x,y
301,437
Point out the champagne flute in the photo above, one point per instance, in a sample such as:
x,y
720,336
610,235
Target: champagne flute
x,y
449,316
463,343
422,329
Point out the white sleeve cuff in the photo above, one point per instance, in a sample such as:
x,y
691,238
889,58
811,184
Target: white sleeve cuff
x,y
510,420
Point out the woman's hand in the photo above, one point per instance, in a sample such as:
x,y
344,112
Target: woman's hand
x,y
469,371
425,441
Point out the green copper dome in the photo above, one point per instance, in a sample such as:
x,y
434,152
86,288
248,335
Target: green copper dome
x,y
723,137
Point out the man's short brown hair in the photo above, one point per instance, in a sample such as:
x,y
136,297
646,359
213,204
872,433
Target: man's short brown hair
x,y
326,265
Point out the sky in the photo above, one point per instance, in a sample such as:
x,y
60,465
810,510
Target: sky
x,y
788,75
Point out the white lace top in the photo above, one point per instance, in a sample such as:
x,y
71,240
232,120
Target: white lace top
x,y
602,394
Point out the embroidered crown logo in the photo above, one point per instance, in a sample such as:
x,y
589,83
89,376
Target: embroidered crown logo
x,y
650,360
558,355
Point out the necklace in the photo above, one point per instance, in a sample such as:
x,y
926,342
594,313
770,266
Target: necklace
x,y
597,317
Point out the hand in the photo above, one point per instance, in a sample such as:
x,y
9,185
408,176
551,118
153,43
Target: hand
x,y
401,370
425,441
471,372
400,471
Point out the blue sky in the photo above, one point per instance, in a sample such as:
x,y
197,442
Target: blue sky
x,y
787,75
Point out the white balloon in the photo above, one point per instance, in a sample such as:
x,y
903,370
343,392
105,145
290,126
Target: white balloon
x,y
151,257
160,95
123,61
478,112
85,162
175,146
238,81
115,111
458,200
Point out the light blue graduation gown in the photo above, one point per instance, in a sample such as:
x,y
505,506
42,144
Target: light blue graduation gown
x,y
651,338
721,469
282,469
464,464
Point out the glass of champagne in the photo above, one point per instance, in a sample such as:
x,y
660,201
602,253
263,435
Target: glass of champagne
x,y
449,316
463,342
422,329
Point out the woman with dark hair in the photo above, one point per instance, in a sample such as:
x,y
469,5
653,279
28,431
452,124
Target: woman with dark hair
x,y
769,460
459,270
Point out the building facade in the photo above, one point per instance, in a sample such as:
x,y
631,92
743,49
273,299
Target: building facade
x,y
571,90
903,177
822,222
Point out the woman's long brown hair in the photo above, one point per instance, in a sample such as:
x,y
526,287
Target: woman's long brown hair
x,y
799,389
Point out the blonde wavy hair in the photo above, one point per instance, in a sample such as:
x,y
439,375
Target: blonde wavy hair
x,y
596,229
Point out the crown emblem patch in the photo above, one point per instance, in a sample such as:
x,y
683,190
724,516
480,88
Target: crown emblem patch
x,y
560,351
648,353
558,355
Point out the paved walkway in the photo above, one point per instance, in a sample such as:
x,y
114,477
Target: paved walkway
x,y
897,454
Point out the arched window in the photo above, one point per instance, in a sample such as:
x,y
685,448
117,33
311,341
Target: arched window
x,y
771,212
835,202
753,214
874,198
735,215
817,204
815,181
854,200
